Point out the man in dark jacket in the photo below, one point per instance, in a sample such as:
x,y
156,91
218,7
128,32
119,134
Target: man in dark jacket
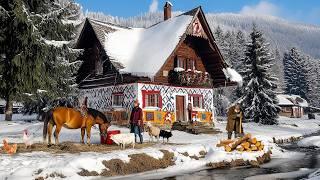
x,y
190,113
136,122
235,118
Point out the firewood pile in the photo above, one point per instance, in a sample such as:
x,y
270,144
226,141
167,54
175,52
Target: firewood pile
x,y
246,143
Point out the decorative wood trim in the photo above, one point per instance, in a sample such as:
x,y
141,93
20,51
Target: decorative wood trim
x,y
118,93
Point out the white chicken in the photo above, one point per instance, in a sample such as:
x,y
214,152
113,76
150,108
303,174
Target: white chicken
x,y
27,138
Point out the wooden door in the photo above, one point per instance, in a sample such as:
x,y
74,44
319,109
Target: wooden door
x,y
180,108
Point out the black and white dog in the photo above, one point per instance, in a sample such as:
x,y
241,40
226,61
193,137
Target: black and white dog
x,y
165,134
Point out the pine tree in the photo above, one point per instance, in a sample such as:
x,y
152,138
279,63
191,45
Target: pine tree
x,y
221,42
259,99
313,94
35,47
295,73
238,61
277,69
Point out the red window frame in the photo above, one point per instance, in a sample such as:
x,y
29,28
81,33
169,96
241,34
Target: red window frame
x,y
146,93
198,96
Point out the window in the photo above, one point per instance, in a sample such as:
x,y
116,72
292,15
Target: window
x,y
151,99
117,99
191,64
184,63
197,101
180,63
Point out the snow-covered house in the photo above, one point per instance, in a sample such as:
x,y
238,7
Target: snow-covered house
x,y
291,105
16,106
165,66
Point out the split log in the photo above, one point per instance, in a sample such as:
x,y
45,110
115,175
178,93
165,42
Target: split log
x,y
227,148
253,148
258,144
240,148
224,142
253,140
234,145
227,141
261,147
246,145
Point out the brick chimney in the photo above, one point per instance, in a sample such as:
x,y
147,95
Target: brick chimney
x,y
167,10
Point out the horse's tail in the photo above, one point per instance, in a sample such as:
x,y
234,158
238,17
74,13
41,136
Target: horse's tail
x,y
46,117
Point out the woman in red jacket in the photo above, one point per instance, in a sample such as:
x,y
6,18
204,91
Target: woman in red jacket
x,y
136,122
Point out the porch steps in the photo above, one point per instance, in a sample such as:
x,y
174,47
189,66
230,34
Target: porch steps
x,y
197,128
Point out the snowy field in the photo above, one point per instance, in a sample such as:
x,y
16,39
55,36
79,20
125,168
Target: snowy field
x,y
25,165
313,141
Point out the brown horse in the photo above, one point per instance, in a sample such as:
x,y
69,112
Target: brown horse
x,y
72,119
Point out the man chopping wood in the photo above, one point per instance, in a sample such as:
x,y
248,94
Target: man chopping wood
x,y
235,117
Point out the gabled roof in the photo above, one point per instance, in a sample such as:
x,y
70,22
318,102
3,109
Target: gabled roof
x,y
143,51
291,100
101,28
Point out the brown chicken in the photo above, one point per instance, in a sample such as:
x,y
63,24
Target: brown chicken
x,y
10,149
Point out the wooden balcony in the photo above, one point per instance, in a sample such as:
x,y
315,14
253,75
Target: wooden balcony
x,y
190,78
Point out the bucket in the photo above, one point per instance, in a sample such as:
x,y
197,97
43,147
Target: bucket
x,y
107,139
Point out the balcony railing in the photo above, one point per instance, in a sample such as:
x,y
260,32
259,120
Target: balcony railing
x,y
189,77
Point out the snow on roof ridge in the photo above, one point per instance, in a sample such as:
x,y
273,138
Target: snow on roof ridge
x,y
146,49
233,75
169,3
286,99
108,24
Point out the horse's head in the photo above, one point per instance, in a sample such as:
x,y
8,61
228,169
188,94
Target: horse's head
x,y
104,127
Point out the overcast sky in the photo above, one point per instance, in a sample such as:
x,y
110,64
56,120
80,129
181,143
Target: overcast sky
x,y
305,11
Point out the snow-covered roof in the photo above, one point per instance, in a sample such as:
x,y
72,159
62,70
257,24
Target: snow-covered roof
x,y
15,104
145,50
169,3
233,75
285,99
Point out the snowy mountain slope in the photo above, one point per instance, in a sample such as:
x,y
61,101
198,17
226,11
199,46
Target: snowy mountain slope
x,y
280,33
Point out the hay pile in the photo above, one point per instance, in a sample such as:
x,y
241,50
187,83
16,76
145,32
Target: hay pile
x,y
246,143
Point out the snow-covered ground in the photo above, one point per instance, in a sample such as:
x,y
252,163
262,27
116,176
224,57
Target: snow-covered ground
x,y
313,141
25,165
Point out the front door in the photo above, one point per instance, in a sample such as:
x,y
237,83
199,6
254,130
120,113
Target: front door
x,y
180,108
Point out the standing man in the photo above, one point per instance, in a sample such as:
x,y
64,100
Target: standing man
x,y
235,117
136,122
190,113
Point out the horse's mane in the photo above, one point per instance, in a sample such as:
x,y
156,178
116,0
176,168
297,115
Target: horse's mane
x,y
95,113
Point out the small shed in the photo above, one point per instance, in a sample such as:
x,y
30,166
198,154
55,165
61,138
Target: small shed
x,y
291,105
